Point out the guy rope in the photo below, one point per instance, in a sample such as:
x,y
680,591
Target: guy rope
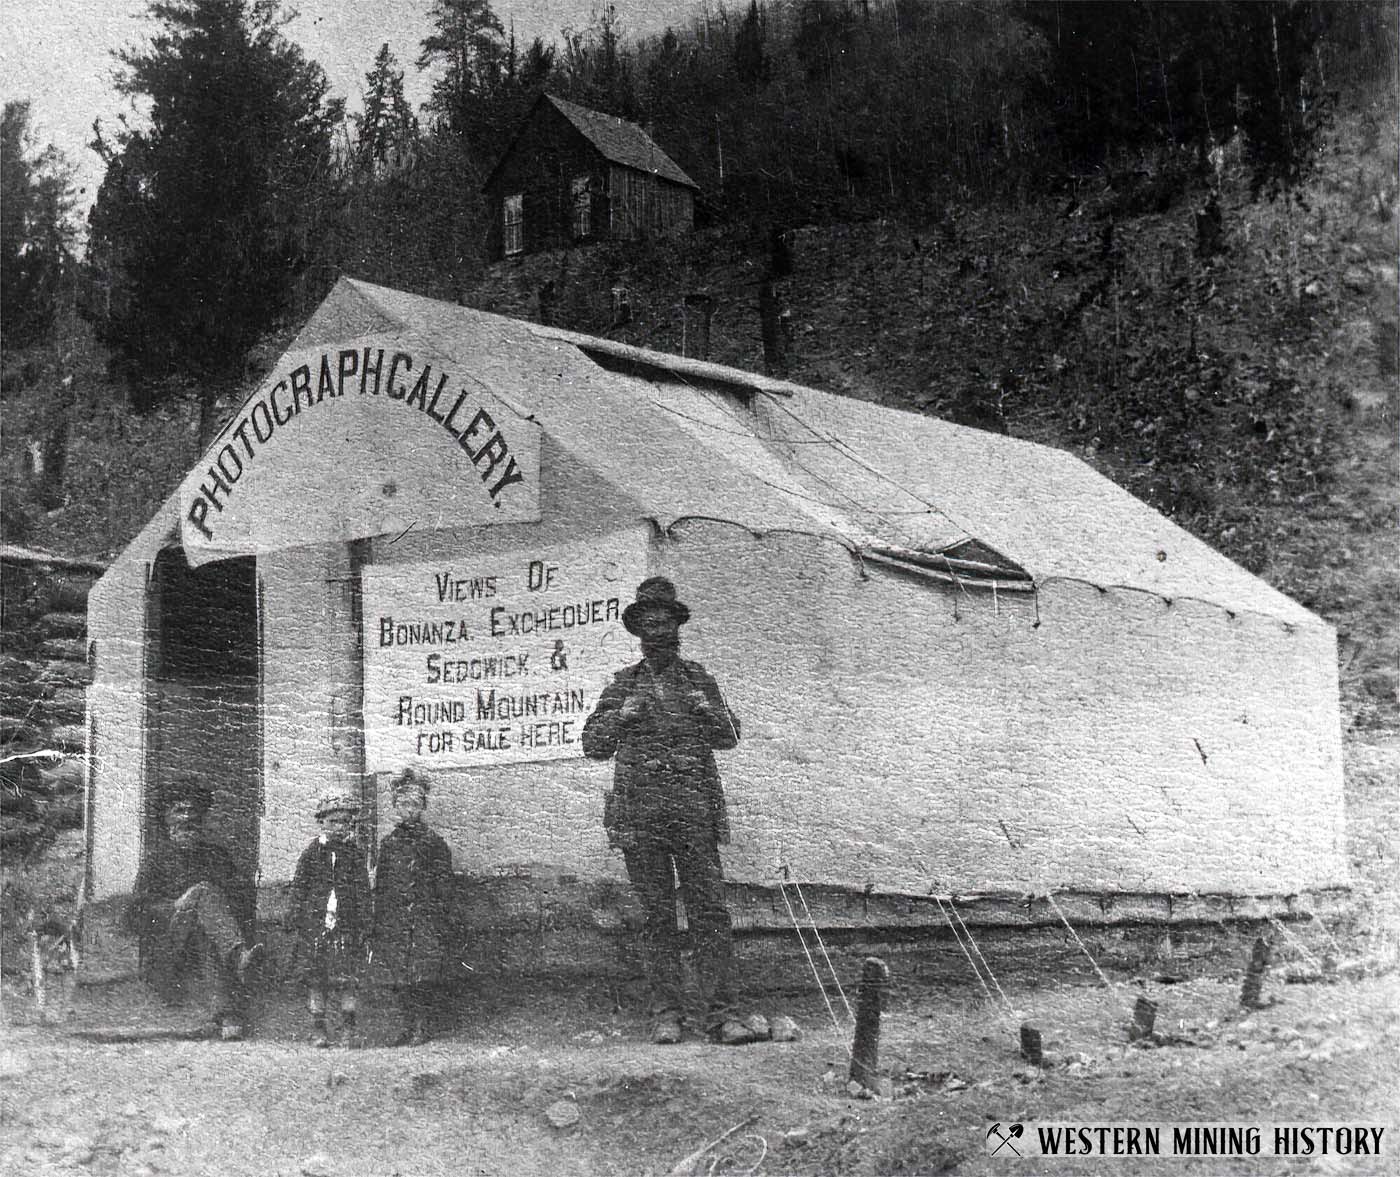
x,y
784,881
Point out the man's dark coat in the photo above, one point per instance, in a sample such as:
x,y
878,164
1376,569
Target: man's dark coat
x,y
167,871
665,774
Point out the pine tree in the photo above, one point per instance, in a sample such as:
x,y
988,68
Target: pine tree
x,y
750,56
468,45
536,67
36,230
206,215
597,70
387,132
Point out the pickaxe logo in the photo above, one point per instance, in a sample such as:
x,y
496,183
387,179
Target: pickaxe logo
x,y
1004,1139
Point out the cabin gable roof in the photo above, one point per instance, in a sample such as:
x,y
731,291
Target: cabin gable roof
x,y
615,139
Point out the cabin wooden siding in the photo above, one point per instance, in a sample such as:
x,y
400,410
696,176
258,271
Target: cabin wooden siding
x,y
541,166
645,205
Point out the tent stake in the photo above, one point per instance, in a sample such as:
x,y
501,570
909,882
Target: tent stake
x,y
1251,992
1144,1018
1031,1049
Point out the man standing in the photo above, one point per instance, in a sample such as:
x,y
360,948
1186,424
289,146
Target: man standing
x,y
662,720
191,908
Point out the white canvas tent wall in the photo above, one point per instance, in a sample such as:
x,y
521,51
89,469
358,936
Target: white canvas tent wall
x,y
964,663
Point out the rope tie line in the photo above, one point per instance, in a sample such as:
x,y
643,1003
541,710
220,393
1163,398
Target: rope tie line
x,y
1011,1009
816,974
1303,948
1326,931
850,1013
1084,948
971,963
837,445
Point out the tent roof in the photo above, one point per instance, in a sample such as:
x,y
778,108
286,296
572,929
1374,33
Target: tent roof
x,y
685,439
1050,512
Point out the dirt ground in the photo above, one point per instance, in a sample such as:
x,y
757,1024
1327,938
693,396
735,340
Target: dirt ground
x,y
114,1089
477,1103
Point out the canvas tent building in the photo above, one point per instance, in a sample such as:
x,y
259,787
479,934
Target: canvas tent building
x,y
964,664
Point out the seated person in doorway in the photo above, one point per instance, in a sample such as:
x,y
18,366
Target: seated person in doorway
x,y
193,910
662,719
330,912
413,908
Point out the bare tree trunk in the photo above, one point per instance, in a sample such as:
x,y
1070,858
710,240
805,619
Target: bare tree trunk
x,y
55,452
770,326
208,415
55,445
698,311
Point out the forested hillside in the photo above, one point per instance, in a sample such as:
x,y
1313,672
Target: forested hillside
x,y
1162,236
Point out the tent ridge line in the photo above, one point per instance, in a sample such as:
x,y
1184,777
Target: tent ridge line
x,y
1231,611
844,542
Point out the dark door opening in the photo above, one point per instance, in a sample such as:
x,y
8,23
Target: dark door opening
x,y
203,691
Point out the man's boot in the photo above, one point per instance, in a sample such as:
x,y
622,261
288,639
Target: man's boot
x,y
666,1030
243,960
733,1031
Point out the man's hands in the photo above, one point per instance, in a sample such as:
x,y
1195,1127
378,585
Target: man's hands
x,y
700,705
190,899
638,704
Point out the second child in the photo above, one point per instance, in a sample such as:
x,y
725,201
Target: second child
x,y
413,907
331,912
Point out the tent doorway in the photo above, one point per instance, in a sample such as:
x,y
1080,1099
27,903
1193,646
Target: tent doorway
x,y
204,673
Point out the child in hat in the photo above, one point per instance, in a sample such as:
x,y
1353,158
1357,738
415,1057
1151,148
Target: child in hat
x,y
331,912
413,906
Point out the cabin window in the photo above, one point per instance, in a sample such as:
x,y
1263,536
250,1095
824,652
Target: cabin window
x,y
579,190
514,226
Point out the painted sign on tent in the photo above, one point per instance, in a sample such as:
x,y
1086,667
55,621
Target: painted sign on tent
x,y
359,438
493,661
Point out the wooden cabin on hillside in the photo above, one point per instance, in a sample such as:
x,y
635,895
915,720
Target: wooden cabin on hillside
x,y
573,175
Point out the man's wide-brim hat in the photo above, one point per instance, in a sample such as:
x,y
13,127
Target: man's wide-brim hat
x,y
656,592
410,781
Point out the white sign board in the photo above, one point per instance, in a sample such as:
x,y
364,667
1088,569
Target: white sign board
x,y
500,660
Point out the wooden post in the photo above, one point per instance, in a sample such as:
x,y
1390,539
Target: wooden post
x,y
1031,1047
865,1052
1144,1018
36,964
361,553
1252,991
